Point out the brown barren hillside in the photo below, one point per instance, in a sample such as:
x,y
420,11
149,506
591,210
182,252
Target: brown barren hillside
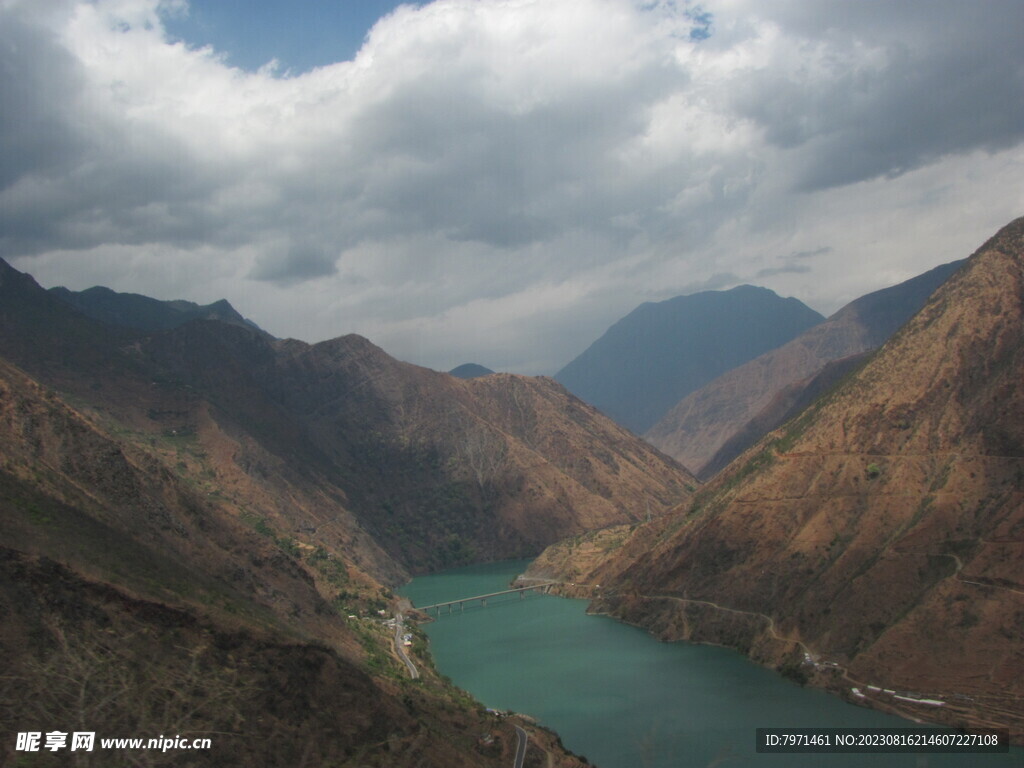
x,y
878,539
200,526
710,427
787,403
437,470
411,469
136,603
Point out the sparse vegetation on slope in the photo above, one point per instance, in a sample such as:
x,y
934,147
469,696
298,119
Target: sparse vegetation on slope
x,y
713,425
877,538
208,502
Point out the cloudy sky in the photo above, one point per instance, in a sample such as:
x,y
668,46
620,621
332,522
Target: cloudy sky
x,y
497,181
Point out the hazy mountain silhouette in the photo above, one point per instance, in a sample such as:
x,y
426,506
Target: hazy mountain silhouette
x,y
660,352
470,371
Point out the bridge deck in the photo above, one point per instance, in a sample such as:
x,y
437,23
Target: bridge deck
x,y
461,600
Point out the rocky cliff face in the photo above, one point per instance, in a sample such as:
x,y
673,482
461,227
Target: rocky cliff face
x,y
711,426
876,542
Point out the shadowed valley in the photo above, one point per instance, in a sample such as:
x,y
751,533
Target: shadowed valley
x,y
201,523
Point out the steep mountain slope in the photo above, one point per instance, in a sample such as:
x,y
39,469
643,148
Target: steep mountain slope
x,y
438,470
339,437
787,403
187,548
711,426
136,603
877,539
199,526
660,352
39,329
135,311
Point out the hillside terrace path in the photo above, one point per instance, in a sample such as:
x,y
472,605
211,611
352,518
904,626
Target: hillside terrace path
x,y
771,631
771,621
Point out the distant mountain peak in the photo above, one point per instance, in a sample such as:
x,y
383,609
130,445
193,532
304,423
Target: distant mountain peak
x,y
695,429
347,344
9,274
470,371
881,527
661,351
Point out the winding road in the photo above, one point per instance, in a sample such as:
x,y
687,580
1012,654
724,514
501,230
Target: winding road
x,y
522,737
524,740
400,648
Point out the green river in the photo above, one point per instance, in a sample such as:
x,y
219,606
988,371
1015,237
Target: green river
x,y
625,700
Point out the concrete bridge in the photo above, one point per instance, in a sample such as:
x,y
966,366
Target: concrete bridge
x,y
461,602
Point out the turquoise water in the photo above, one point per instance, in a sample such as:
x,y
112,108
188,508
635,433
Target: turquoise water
x,y
624,700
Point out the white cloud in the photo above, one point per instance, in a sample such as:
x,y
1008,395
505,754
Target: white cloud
x,y
499,181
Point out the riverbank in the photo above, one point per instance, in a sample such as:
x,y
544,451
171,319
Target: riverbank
x,y
672,618
705,622
681,617
622,699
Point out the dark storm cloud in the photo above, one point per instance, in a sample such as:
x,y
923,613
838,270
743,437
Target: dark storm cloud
x,y
498,172
449,155
879,89
74,173
37,135
299,263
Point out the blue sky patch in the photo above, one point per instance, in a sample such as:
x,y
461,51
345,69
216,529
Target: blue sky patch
x,y
300,35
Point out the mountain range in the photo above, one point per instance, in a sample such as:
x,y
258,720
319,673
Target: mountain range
x,y
714,424
874,544
201,523
133,310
